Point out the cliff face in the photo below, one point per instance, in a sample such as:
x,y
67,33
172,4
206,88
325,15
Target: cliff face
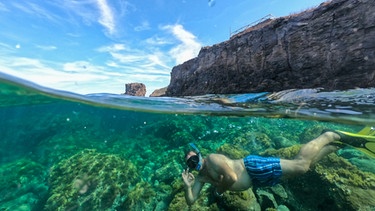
x,y
331,46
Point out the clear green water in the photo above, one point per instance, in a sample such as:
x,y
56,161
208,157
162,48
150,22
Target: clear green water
x,y
61,151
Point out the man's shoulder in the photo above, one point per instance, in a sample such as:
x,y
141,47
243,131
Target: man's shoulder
x,y
215,156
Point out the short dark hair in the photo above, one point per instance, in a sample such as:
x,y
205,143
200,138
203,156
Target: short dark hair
x,y
186,154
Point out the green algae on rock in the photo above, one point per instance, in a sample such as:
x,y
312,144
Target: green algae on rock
x,y
22,185
91,181
233,151
356,188
140,196
286,153
239,200
205,202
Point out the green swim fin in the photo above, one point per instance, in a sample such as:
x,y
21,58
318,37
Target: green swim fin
x,y
368,130
364,140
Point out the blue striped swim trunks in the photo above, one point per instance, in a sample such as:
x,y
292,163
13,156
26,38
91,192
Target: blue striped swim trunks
x,y
264,171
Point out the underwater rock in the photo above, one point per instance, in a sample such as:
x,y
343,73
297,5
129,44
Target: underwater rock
x,y
353,187
272,197
141,197
279,191
204,202
286,153
91,181
266,199
232,151
135,89
282,208
23,185
240,200
364,164
310,133
168,172
179,202
174,129
282,142
350,153
254,142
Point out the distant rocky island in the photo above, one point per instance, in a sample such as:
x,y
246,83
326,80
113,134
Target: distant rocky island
x,y
135,89
331,46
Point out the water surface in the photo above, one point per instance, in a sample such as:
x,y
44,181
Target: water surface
x,y
64,151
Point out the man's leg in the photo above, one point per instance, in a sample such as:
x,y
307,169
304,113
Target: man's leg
x,y
310,153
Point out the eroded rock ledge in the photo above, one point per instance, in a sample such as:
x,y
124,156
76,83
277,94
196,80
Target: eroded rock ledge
x,y
331,46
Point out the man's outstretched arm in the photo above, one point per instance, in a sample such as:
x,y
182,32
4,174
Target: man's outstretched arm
x,y
192,187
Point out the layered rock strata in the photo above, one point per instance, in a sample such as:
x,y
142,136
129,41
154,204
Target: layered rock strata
x,y
331,46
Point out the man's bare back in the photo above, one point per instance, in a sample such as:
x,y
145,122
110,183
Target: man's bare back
x,y
212,174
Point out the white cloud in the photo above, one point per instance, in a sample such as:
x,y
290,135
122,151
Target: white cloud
x,y
136,58
6,48
75,13
36,11
189,46
112,48
112,64
46,47
37,71
75,35
118,47
155,40
77,66
106,16
157,59
126,58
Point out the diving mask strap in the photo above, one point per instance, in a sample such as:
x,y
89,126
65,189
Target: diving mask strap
x,y
199,163
194,147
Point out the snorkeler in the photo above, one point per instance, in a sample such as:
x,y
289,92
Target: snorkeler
x,y
238,175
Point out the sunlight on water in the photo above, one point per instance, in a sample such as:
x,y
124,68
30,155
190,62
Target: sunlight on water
x,y
63,151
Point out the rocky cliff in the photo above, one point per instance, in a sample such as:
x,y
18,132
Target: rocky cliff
x,y
331,46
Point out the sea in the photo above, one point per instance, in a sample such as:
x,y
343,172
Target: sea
x,y
65,151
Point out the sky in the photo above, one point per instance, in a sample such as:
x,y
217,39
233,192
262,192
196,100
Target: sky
x,y
97,46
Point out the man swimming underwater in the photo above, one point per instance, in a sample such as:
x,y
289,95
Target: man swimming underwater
x,y
238,175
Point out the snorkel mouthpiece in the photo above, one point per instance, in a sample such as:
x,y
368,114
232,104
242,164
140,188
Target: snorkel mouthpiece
x,y
199,164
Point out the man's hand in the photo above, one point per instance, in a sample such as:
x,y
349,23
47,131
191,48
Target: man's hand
x,y
188,178
192,186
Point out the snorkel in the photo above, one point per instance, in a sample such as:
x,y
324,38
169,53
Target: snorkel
x,y
197,162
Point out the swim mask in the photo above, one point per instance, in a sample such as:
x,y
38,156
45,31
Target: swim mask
x,y
195,161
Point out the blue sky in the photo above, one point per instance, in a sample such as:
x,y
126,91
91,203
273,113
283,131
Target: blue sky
x,y
97,46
